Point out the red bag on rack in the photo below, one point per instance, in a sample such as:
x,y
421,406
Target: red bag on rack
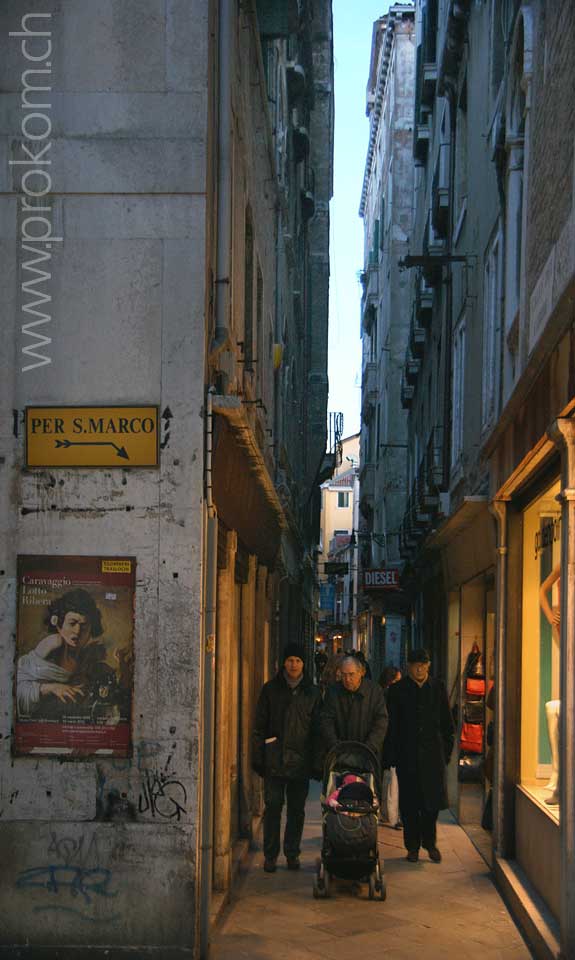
x,y
471,739
475,688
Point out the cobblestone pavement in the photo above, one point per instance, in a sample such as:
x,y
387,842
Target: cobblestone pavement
x,y
432,912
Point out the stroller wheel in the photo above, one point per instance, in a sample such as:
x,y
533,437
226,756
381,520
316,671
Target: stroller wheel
x,y
382,889
372,886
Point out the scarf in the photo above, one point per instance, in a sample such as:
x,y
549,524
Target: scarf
x,y
292,684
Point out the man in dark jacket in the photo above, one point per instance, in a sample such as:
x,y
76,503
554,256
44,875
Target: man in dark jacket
x,y
283,747
354,709
419,744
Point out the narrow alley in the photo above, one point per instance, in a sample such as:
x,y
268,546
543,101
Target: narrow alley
x,y
432,910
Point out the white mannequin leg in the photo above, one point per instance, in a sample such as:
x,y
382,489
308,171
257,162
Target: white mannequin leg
x,y
552,708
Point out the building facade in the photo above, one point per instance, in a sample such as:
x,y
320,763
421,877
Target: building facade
x,y
387,211
166,180
337,570
487,383
530,459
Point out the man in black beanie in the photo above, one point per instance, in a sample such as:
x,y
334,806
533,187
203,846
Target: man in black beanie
x,y
283,753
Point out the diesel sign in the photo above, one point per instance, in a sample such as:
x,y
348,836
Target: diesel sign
x,y
381,579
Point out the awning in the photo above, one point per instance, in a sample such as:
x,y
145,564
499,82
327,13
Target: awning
x,y
469,510
244,492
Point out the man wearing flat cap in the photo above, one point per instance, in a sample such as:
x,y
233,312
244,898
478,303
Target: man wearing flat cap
x,y
283,753
419,744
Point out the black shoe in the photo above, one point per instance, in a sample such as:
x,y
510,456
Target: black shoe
x,y
412,856
269,866
434,854
293,863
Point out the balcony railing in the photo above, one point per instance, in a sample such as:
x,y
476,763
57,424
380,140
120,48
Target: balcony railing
x,y
422,137
417,336
407,392
439,203
423,301
423,508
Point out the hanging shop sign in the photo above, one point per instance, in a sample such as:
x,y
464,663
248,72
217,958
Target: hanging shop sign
x,y
381,579
333,568
92,436
74,656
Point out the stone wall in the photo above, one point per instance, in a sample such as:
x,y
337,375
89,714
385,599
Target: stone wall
x,y
102,851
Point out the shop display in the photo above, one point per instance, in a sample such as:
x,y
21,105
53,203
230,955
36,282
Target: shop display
x,y
473,702
541,650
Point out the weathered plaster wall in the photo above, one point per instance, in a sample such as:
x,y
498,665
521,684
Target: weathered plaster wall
x,y
114,841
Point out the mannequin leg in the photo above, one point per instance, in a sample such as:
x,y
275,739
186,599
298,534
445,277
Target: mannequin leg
x,y
552,708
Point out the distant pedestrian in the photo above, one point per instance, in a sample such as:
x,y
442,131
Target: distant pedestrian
x,y
419,745
320,661
354,709
360,655
331,673
284,745
390,786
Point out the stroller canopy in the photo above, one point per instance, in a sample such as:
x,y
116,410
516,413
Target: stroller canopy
x,y
350,756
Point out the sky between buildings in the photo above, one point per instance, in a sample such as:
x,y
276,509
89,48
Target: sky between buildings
x,y
353,25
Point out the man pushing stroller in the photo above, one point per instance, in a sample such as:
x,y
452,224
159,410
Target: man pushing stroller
x,y
354,709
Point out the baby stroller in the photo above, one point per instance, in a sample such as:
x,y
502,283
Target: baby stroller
x,y
349,827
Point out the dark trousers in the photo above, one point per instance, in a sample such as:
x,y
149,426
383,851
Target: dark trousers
x,y
275,789
419,825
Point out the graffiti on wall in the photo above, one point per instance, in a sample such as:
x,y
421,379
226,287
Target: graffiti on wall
x,y
66,883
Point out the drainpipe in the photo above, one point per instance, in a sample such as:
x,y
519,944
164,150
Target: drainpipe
x,y
449,301
499,510
208,694
221,336
224,173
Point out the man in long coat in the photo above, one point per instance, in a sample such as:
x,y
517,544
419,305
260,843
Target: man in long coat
x,y
284,749
419,744
354,709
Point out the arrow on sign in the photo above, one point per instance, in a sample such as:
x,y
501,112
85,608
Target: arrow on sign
x,y
121,451
167,415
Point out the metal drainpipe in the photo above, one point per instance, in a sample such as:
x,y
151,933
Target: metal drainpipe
x,y
449,306
278,335
224,174
208,695
499,510
222,296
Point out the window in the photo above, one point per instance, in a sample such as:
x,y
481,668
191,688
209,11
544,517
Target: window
x,y
458,365
373,340
248,291
343,498
260,329
461,151
540,655
491,330
515,143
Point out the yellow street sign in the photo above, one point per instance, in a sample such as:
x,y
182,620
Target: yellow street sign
x,y
92,436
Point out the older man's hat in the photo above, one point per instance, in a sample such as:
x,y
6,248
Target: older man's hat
x,y
293,650
419,655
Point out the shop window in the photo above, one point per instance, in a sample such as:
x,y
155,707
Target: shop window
x,y
540,657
